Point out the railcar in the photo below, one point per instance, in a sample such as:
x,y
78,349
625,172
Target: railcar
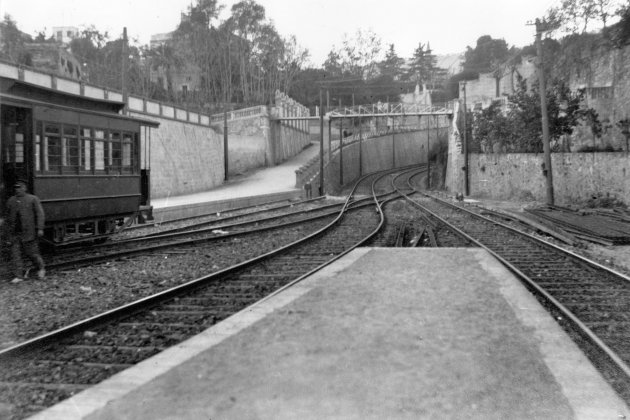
x,y
79,155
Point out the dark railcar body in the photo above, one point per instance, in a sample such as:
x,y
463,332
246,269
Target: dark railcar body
x,y
79,156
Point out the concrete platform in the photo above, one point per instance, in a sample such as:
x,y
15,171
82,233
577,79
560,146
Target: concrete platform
x,y
450,334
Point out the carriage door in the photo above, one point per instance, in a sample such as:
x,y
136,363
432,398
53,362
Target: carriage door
x,y
15,147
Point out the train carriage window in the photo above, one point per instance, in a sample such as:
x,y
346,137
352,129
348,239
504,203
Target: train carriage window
x,y
86,149
99,150
135,150
38,148
52,148
19,148
127,152
70,149
115,155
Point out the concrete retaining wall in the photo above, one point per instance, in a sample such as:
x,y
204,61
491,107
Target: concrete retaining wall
x,y
374,154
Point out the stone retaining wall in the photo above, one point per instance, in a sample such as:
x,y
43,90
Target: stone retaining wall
x,y
184,158
518,176
576,176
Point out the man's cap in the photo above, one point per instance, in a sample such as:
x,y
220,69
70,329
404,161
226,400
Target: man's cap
x,y
20,182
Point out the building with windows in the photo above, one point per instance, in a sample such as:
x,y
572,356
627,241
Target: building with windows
x,y
157,40
65,34
54,58
498,84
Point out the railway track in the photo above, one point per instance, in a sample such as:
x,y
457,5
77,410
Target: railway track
x,y
577,292
407,225
185,237
590,301
52,367
242,214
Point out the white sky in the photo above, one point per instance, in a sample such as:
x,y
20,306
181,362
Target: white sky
x,y
448,25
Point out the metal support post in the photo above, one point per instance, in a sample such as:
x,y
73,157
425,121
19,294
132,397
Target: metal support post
x,y
393,143
360,148
329,140
428,154
341,152
225,144
321,144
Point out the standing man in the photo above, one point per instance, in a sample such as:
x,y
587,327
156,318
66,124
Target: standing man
x,y
25,224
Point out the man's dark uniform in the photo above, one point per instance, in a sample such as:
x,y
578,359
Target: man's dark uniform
x,y
25,222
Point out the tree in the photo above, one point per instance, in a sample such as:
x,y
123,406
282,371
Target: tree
x,y
306,85
619,33
487,55
493,130
575,16
333,65
242,60
92,49
291,62
519,129
12,42
392,65
358,56
423,65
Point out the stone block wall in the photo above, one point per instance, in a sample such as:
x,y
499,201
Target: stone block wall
x,y
258,140
576,176
247,142
245,153
289,139
518,176
184,158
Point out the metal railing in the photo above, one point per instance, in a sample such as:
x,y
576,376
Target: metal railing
x,y
391,109
239,114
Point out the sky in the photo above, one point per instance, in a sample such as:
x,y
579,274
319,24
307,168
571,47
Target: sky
x,y
449,26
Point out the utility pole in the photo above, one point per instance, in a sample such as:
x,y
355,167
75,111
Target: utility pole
x,y
465,168
547,172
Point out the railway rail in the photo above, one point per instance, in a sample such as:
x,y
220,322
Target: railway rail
x,y
231,215
184,237
194,235
590,301
44,370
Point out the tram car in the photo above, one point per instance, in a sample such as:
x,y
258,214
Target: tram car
x,y
79,155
